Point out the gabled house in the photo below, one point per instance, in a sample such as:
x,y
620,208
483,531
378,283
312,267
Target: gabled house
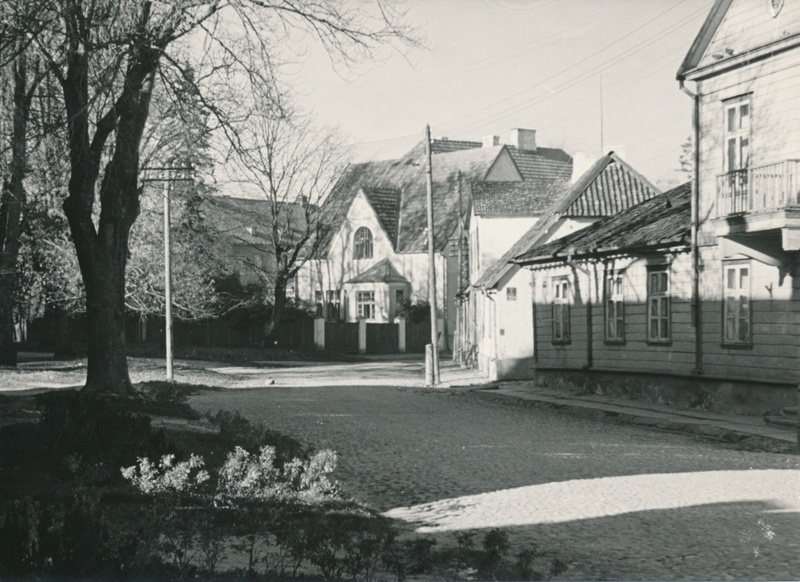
x,y
372,252
498,314
616,295
742,71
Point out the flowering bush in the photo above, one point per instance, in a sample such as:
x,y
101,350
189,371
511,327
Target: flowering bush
x,y
248,476
166,475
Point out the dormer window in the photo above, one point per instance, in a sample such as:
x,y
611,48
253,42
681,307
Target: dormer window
x,y
363,243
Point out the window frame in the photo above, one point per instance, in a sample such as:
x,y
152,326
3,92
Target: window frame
x,y
363,244
562,295
662,297
361,303
333,305
736,267
737,158
614,295
511,293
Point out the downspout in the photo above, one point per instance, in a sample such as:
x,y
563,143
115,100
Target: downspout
x,y
697,315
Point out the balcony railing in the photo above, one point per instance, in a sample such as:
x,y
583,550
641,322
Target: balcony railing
x,y
770,187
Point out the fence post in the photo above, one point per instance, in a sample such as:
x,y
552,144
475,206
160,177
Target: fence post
x,y
319,333
362,336
401,335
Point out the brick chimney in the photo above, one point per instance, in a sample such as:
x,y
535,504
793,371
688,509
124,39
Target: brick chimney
x,y
523,139
491,140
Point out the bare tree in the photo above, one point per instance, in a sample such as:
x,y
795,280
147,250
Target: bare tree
x,y
20,71
105,55
292,165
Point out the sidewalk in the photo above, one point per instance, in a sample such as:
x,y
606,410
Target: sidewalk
x,y
746,431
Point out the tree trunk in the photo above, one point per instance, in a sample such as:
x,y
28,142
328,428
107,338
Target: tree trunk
x,y
278,306
105,311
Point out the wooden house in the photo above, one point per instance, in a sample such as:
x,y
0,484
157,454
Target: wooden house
x,y
743,72
498,313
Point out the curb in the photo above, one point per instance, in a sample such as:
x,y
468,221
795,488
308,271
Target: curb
x,y
710,430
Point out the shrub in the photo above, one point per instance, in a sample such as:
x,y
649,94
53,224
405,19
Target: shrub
x,y
416,312
166,476
96,434
235,430
247,476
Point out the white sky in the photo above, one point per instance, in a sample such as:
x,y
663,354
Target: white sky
x,y
492,65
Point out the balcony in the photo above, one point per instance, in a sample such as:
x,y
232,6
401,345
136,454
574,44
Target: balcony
x,y
759,199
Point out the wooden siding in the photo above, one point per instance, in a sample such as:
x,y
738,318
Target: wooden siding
x,y
774,89
749,25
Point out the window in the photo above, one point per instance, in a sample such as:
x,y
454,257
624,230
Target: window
x,y
561,310
737,135
333,305
363,244
737,156
365,304
615,308
737,328
658,306
511,293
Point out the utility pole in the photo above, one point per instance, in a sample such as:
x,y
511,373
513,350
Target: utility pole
x,y
167,276
167,179
459,343
434,349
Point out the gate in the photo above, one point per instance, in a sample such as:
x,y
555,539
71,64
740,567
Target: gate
x,y
383,338
341,337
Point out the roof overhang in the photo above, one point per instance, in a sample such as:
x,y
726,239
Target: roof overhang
x,y
736,61
604,254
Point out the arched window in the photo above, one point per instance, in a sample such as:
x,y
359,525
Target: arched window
x,y
363,243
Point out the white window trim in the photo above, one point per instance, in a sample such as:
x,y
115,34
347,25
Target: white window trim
x,y
562,294
362,301
662,298
735,297
615,295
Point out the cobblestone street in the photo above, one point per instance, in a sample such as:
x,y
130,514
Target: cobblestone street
x,y
613,501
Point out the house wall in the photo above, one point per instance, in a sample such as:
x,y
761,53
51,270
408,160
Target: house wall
x,y
587,346
774,89
493,236
340,266
773,86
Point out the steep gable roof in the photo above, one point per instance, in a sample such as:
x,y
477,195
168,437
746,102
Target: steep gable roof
x,y
386,203
660,222
527,198
407,174
703,39
381,272
608,186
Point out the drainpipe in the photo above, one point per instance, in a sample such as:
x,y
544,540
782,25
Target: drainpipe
x,y
697,314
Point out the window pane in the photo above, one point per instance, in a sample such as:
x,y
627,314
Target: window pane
x,y
731,279
653,283
665,329
732,165
744,277
744,152
731,119
664,282
744,112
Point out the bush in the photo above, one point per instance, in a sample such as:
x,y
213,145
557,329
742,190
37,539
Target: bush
x,y
416,312
96,435
235,430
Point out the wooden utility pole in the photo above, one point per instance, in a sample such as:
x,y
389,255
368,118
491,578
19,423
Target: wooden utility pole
x,y
434,351
458,340
167,277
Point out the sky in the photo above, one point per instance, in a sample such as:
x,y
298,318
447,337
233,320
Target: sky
x,y
590,76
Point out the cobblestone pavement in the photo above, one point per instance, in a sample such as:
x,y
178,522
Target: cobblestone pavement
x,y
613,501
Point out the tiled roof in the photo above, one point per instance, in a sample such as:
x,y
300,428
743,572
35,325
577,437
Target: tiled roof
x,y
660,222
615,176
608,187
529,198
407,174
386,203
382,272
445,146
542,163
